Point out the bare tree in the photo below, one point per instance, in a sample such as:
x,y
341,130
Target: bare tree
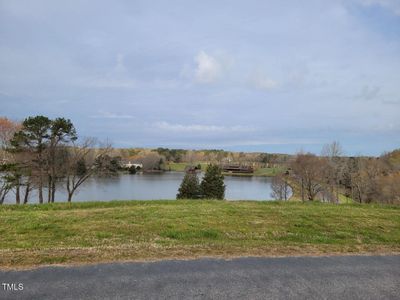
x,y
9,175
388,190
152,161
7,130
364,179
309,173
5,185
18,173
80,164
333,173
332,150
280,187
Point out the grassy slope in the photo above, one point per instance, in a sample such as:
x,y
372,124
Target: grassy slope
x,y
139,230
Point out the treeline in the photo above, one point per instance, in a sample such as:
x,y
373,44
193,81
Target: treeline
x,y
159,156
330,176
42,154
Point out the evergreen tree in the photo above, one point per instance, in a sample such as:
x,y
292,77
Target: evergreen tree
x,y
190,188
34,137
44,138
212,186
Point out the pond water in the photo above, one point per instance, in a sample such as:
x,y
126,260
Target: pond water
x,y
154,187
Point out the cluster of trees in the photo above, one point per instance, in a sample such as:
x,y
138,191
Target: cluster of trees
x,y
211,187
326,177
174,155
369,180
280,187
214,156
42,154
152,162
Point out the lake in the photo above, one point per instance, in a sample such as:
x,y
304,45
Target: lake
x,y
154,187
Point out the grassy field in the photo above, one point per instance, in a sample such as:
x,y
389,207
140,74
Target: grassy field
x,y
267,171
180,167
146,230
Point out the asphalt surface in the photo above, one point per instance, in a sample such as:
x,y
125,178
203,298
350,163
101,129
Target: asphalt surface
x,y
346,277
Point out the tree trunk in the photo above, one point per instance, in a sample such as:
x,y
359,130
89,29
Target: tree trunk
x,y
27,190
40,178
53,190
17,193
337,193
49,189
40,192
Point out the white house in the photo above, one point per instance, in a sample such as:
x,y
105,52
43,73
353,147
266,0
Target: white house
x,y
129,165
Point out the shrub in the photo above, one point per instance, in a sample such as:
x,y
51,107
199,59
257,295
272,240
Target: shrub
x,y
190,188
212,186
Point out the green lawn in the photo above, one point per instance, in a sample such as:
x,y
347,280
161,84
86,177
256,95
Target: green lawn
x,y
177,167
180,167
34,235
268,171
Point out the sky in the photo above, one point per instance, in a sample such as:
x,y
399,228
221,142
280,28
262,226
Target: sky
x,y
273,76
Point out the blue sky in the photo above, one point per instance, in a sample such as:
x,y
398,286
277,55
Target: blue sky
x,y
275,76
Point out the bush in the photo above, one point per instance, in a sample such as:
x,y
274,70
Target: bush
x,y
212,186
190,188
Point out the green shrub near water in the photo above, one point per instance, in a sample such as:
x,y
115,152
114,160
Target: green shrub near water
x,y
212,186
190,187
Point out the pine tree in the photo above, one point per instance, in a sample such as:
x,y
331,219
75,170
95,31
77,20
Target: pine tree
x,y
190,188
212,186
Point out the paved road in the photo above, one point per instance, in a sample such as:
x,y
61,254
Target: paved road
x,y
351,277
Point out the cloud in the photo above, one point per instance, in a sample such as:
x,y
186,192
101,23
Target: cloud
x,y
208,69
369,93
117,77
100,82
110,115
309,70
214,68
193,128
261,81
277,141
391,102
392,5
120,66
5,94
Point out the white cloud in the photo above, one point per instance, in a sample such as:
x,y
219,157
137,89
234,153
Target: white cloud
x,y
208,69
193,128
